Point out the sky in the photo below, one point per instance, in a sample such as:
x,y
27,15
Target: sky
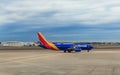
x,y
60,20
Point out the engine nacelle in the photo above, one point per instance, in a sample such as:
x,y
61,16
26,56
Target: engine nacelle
x,y
77,49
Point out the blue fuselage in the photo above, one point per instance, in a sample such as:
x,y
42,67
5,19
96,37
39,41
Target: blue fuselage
x,y
76,47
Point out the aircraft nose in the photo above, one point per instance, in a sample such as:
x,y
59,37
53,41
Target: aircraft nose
x,y
91,47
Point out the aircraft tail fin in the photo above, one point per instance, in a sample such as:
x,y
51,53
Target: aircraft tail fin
x,y
44,42
42,38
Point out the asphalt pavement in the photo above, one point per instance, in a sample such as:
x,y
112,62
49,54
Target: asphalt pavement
x,y
48,62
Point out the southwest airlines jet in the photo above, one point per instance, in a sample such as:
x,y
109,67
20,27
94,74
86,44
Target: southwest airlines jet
x,y
66,47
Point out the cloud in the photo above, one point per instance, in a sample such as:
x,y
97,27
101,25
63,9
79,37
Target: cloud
x,y
82,20
85,12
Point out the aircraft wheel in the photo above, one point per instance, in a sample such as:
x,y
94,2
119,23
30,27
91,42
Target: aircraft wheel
x,y
64,51
88,50
69,51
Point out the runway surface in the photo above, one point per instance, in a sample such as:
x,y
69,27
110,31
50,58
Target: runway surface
x,y
47,62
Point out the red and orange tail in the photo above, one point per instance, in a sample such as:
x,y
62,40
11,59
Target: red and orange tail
x,y
45,42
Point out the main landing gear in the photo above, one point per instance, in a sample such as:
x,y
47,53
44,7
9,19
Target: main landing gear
x,y
68,50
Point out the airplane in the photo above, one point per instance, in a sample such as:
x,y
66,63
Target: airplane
x,y
66,47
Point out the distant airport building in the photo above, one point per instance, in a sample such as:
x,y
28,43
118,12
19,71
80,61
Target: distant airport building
x,y
30,44
17,43
12,43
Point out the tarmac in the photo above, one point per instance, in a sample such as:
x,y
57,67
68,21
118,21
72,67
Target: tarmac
x,y
48,62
